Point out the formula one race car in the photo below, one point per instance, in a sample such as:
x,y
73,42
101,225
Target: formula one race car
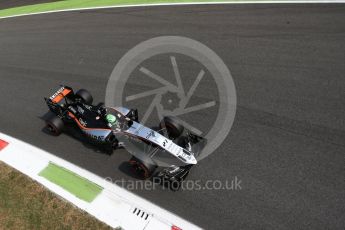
x,y
168,152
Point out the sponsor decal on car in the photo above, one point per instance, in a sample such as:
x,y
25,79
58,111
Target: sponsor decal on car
x,y
96,137
81,110
82,122
59,95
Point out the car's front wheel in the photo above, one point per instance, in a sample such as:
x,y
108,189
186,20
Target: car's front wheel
x,y
172,126
142,169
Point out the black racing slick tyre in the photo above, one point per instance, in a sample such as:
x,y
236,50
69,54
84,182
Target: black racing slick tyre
x,y
142,169
55,125
173,127
85,96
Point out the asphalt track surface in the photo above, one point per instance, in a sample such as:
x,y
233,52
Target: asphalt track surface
x,y
287,142
5,4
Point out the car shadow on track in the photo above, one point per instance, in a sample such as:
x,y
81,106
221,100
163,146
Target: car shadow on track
x,y
127,169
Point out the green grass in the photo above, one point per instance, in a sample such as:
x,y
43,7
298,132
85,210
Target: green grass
x,y
72,4
24,204
75,184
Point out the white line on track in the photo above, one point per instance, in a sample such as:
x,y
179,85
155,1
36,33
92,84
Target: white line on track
x,y
180,4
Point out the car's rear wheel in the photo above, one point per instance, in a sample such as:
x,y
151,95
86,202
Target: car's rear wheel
x,y
173,127
142,169
85,96
55,125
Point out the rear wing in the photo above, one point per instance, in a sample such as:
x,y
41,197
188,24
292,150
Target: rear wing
x,y
61,93
56,104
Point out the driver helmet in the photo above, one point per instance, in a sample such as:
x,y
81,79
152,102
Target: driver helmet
x,y
111,119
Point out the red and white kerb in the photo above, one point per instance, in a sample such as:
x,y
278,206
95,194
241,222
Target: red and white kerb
x,y
3,144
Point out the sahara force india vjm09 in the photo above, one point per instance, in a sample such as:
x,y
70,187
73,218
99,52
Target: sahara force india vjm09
x,y
167,152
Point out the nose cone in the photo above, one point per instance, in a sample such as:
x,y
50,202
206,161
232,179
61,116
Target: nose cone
x,y
192,160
